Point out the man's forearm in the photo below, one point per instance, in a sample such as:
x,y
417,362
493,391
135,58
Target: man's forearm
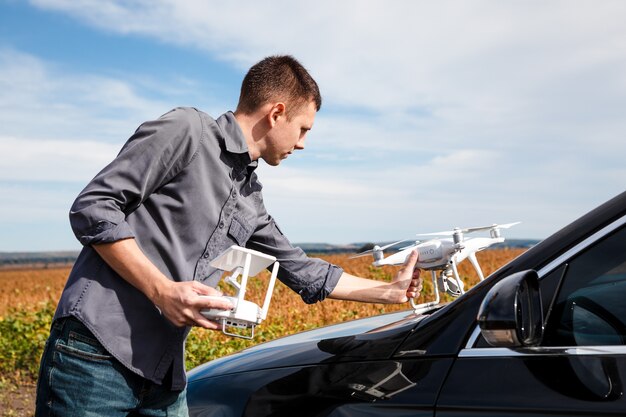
x,y
406,284
353,288
179,302
129,261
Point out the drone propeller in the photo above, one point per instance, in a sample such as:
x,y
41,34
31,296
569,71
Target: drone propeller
x,y
410,246
470,229
444,233
378,248
493,226
506,226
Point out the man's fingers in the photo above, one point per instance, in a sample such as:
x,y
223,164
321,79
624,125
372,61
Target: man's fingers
x,y
193,317
409,264
416,273
200,321
411,260
204,289
212,301
415,287
209,297
183,306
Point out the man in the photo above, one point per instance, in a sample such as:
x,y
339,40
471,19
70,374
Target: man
x,y
181,191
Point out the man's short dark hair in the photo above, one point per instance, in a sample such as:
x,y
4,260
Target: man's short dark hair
x,y
278,78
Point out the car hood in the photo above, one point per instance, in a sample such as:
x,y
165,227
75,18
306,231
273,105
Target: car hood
x,y
370,338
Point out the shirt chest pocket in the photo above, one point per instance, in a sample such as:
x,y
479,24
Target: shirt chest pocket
x,y
240,229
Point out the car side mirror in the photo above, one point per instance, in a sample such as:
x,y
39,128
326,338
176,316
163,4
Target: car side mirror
x,y
511,314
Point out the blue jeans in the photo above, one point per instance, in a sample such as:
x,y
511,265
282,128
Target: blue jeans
x,y
78,377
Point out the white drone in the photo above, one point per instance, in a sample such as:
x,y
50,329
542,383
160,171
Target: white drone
x,y
245,314
442,254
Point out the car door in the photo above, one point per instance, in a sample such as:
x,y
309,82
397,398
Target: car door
x,y
579,367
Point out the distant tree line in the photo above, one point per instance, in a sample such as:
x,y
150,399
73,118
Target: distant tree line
x,y
15,259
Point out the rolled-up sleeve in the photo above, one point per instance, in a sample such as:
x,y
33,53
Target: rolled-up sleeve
x,y
314,279
156,152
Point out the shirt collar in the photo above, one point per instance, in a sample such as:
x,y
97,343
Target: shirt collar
x,y
235,141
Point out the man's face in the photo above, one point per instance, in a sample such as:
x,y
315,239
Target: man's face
x,y
287,136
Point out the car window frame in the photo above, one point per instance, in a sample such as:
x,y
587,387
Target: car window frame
x,y
470,349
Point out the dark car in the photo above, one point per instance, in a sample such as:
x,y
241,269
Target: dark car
x,y
543,335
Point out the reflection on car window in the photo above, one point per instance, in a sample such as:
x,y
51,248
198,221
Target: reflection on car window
x,y
592,329
590,307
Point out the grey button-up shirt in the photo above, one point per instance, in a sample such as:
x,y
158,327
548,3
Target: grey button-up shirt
x,y
184,188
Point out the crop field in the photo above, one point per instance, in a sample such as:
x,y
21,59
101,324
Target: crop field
x,y
28,298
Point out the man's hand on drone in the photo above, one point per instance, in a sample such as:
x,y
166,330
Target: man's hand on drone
x,y
409,277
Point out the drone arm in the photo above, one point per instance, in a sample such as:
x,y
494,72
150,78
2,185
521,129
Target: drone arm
x,y
455,273
475,264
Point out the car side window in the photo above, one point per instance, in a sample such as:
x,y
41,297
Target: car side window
x,y
589,308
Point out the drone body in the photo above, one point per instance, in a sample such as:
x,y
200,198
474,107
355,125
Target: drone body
x,y
443,254
437,253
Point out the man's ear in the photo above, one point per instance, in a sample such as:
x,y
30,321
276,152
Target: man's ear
x,y
277,111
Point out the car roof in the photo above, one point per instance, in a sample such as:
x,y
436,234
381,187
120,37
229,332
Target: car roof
x,y
546,250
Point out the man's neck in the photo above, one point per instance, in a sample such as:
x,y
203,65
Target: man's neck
x,y
253,131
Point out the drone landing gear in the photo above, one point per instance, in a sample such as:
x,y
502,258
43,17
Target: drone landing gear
x,y
421,308
449,282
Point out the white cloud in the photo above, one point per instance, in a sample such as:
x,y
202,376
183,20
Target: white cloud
x,y
53,160
468,187
34,217
59,125
433,110
40,100
446,71
443,56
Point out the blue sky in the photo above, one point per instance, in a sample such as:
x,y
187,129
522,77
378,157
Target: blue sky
x,y
435,114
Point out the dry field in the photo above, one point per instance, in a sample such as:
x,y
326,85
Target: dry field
x,y
29,290
334,311
25,289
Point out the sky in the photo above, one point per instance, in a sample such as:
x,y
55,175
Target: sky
x,y
435,114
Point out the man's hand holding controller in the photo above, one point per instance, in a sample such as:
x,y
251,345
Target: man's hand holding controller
x,y
181,303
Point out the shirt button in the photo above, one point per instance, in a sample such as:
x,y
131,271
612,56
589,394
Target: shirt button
x,y
206,255
234,194
221,225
